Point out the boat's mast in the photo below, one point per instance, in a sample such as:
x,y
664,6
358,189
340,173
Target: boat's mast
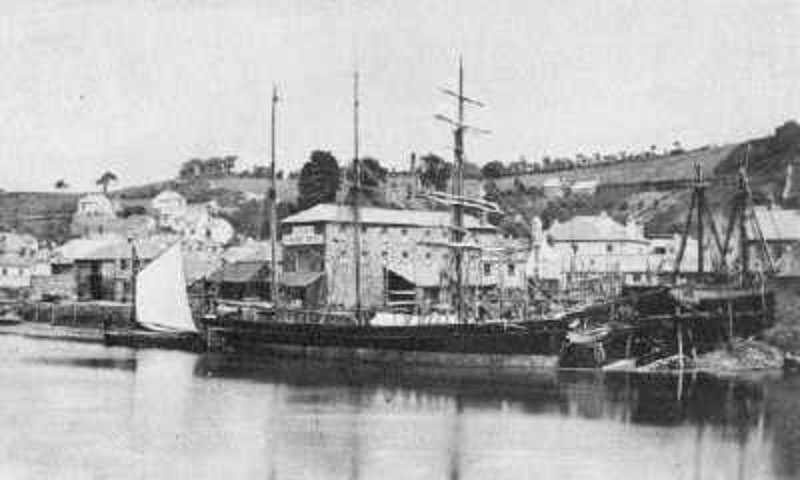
x,y
273,199
356,200
134,274
458,201
458,188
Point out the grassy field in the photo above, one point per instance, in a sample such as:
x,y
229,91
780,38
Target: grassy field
x,y
659,168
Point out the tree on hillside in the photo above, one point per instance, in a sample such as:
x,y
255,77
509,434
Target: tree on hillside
x,y
105,179
61,184
373,176
435,172
493,169
319,180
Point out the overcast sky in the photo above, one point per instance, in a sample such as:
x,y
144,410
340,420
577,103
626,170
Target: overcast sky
x,y
139,87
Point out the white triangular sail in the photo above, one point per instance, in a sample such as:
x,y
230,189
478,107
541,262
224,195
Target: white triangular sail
x,y
161,300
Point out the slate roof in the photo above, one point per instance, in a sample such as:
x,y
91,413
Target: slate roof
x,y
777,224
240,272
250,251
300,279
333,213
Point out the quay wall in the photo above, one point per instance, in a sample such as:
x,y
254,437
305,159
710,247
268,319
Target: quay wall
x,y
79,314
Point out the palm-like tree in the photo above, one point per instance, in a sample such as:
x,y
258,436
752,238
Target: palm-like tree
x,y
105,179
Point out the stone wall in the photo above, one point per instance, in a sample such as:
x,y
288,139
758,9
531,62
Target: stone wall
x,y
62,285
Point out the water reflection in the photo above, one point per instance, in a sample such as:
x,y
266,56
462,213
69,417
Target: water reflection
x,y
697,422
88,411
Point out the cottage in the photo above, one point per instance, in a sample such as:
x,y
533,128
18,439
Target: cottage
x,y
192,221
248,280
95,215
106,272
553,187
169,206
596,253
778,230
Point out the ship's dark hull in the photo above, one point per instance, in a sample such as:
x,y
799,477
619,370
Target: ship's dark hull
x,y
522,345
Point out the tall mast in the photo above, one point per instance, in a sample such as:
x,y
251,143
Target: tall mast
x,y
356,200
458,188
273,200
457,236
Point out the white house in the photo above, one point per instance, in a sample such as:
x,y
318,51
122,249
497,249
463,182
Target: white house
x,y
593,252
553,187
195,222
95,205
169,206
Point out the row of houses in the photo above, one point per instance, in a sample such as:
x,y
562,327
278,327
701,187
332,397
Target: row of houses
x,y
405,257
98,215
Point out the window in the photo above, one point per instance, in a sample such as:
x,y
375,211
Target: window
x,y
319,228
123,264
511,269
427,232
405,254
637,277
660,251
427,255
609,248
487,269
384,229
404,231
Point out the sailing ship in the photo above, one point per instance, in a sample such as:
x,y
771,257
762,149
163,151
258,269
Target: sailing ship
x,y
162,316
457,338
689,317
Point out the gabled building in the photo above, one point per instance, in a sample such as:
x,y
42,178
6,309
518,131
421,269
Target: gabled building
x,y
779,231
196,222
404,256
95,215
595,253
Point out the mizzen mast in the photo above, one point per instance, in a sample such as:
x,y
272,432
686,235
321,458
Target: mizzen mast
x,y
273,200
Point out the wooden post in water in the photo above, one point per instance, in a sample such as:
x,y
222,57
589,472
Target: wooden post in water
x,y
730,320
680,343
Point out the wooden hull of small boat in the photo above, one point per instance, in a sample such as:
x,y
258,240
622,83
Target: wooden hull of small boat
x,y
192,342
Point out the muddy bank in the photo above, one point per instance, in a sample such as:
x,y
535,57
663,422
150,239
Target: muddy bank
x,y
738,355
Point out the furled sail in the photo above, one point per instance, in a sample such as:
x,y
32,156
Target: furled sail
x,y
161,300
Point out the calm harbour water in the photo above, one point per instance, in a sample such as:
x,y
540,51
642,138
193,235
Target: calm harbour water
x,y
76,410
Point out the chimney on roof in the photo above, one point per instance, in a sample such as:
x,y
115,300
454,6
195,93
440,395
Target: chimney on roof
x,y
414,179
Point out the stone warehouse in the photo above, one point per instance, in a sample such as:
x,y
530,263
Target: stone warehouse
x,y
404,256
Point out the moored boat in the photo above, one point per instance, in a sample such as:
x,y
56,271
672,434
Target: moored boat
x,y
162,316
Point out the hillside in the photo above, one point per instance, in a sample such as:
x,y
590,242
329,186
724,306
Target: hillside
x,y
625,189
630,189
44,215
633,171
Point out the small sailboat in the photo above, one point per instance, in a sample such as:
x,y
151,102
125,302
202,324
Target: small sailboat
x,y
162,316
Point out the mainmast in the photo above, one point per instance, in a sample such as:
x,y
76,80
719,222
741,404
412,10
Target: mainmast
x,y
458,231
273,199
356,200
